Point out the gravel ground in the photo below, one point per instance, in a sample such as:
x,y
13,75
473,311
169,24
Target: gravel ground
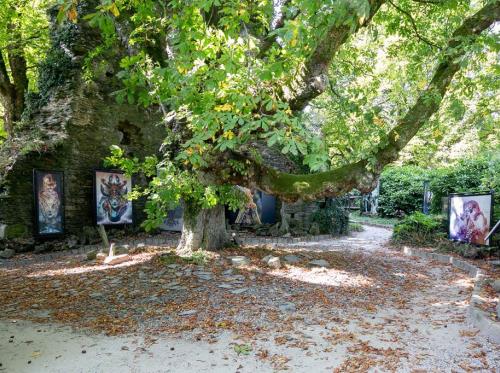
x,y
368,309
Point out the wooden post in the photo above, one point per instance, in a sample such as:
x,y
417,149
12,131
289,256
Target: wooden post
x,y
104,236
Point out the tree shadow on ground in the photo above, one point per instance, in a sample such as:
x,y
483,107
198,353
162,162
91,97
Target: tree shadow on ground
x,y
151,294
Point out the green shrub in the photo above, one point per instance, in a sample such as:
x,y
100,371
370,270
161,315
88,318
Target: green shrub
x,y
401,190
333,219
355,227
420,229
199,257
469,175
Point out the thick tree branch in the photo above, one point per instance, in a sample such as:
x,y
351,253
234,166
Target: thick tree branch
x,y
7,96
18,70
314,81
290,187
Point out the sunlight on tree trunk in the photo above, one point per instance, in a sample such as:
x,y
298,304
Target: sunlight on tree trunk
x,y
203,229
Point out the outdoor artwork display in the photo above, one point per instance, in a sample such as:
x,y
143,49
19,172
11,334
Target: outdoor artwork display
x,y
110,198
49,202
426,205
250,214
470,217
174,220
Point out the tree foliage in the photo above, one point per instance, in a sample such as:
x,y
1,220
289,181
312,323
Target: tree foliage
x,y
401,190
229,75
24,40
379,74
419,229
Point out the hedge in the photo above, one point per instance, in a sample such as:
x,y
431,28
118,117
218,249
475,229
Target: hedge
x,y
401,188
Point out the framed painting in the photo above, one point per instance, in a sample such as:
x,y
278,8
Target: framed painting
x,y
174,220
48,188
111,206
469,217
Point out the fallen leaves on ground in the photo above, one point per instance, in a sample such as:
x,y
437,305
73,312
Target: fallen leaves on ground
x,y
152,295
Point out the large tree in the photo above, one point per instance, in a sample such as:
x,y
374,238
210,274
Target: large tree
x,y
234,76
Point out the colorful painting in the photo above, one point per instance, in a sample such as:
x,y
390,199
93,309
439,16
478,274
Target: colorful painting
x,y
111,204
250,214
49,202
470,217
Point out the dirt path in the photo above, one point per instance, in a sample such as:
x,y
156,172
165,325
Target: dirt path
x,y
369,309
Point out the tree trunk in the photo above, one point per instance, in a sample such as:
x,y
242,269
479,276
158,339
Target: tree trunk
x,y
8,115
284,227
203,229
12,90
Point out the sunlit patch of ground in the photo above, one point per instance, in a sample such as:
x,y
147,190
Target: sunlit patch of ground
x,y
85,268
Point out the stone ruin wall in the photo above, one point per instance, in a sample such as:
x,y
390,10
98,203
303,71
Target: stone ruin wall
x,y
93,125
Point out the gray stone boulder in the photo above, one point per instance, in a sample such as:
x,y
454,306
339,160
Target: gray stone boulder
x,y
292,259
239,261
7,253
319,263
72,242
42,248
496,286
272,261
188,313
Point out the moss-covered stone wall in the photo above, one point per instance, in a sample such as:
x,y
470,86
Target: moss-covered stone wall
x,y
69,126
93,126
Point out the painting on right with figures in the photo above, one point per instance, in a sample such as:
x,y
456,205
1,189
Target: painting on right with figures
x,y
469,217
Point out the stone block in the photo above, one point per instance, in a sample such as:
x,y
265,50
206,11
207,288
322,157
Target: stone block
x,y
239,261
319,263
496,286
272,261
116,259
7,253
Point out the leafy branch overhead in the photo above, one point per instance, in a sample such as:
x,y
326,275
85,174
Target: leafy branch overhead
x,y
228,75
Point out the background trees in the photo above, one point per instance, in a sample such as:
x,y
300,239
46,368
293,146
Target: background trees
x,y
23,43
372,87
